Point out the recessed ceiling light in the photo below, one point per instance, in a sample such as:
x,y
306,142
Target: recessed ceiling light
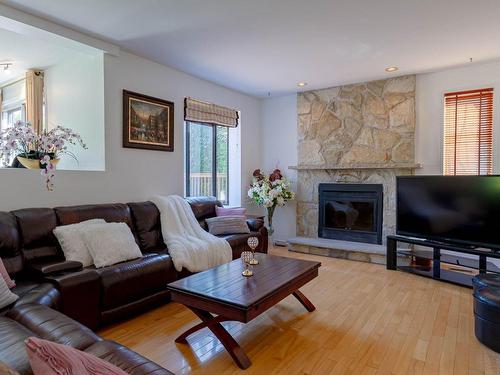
x,y
391,69
5,66
302,84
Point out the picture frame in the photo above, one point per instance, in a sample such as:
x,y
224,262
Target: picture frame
x,y
148,122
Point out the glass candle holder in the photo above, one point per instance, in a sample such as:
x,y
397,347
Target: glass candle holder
x,y
253,242
246,257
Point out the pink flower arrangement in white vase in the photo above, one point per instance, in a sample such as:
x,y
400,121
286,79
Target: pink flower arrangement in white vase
x,y
38,151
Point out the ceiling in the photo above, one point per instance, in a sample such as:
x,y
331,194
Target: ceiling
x,y
268,46
26,53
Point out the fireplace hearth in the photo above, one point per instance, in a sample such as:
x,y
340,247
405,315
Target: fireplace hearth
x,y
351,212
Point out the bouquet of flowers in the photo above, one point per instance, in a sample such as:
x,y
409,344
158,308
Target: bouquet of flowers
x,y
270,192
37,150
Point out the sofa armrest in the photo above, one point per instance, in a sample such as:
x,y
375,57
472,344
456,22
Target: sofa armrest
x,y
45,267
80,295
51,325
255,224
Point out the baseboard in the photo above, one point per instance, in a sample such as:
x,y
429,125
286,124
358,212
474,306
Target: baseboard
x,y
280,243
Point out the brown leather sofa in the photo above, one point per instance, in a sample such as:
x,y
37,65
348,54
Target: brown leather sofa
x,y
93,297
35,314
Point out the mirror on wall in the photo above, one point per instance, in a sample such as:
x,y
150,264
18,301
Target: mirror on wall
x,y
51,102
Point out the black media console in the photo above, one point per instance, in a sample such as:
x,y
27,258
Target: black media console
x,y
478,265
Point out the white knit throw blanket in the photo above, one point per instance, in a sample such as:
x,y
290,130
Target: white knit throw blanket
x,y
188,243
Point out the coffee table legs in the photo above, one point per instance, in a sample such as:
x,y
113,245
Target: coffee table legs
x,y
213,323
233,348
304,301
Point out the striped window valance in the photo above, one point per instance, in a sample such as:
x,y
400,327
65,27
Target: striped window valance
x,y
208,113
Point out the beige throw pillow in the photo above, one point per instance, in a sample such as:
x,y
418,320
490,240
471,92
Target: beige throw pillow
x,y
227,225
71,241
110,243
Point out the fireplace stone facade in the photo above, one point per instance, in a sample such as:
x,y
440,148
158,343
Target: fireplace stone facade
x,y
362,133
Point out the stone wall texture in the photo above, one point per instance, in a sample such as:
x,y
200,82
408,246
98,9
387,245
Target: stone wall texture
x,y
352,127
364,123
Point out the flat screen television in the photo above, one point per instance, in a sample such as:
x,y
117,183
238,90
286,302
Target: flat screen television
x,y
455,209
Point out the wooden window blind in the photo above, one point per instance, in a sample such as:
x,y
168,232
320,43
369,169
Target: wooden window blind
x,y
468,132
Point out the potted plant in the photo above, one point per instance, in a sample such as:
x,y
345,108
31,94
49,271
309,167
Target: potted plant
x,y
37,151
270,191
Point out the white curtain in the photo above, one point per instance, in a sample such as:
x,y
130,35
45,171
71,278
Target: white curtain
x,y
34,99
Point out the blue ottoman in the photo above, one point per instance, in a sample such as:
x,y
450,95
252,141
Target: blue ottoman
x,y
484,280
487,316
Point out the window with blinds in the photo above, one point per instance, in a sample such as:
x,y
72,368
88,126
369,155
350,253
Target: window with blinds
x,y
468,132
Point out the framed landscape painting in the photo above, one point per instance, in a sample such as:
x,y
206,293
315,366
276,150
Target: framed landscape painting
x,y
148,122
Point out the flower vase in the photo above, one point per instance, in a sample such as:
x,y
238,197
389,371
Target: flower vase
x,y
270,213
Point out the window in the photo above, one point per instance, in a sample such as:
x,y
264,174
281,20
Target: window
x,y
13,106
207,160
213,157
468,132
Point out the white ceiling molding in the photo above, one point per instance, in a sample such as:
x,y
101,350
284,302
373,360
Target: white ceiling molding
x,y
26,24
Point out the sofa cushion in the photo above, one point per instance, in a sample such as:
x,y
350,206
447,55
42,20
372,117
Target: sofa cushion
x,y
70,239
110,243
131,362
230,211
147,226
132,280
48,357
111,213
31,292
227,225
203,208
10,243
36,226
52,325
12,348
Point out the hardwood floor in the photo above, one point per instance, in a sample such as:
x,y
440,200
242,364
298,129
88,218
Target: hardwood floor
x,y
368,321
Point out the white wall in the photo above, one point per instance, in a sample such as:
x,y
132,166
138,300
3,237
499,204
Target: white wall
x,y
131,174
74,89
430,90
279,150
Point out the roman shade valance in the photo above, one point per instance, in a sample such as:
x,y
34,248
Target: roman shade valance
x,y
208,113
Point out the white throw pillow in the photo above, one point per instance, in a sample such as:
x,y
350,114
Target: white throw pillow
x,y
110,243
71,241
6,296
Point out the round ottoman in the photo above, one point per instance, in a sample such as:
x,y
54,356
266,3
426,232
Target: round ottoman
x,y
484,280
487,316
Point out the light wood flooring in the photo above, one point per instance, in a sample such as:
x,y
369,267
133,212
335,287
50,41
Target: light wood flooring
x,y
368,321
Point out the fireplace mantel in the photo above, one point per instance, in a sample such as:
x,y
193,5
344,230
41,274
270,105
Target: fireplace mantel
x,y
356,167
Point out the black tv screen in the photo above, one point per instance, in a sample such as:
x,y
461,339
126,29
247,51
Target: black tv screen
x,y
462,209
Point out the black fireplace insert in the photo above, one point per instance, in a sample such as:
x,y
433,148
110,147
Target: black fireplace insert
x,y
351,212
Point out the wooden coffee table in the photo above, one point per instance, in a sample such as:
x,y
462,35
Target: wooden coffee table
x,y
222,294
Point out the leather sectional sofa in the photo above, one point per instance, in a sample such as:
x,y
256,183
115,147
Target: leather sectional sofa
x,y
60,299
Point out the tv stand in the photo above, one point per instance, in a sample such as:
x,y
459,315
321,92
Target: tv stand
x,y
481,265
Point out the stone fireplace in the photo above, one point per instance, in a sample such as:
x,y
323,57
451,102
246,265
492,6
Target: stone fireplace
x,y
356,134
351,212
